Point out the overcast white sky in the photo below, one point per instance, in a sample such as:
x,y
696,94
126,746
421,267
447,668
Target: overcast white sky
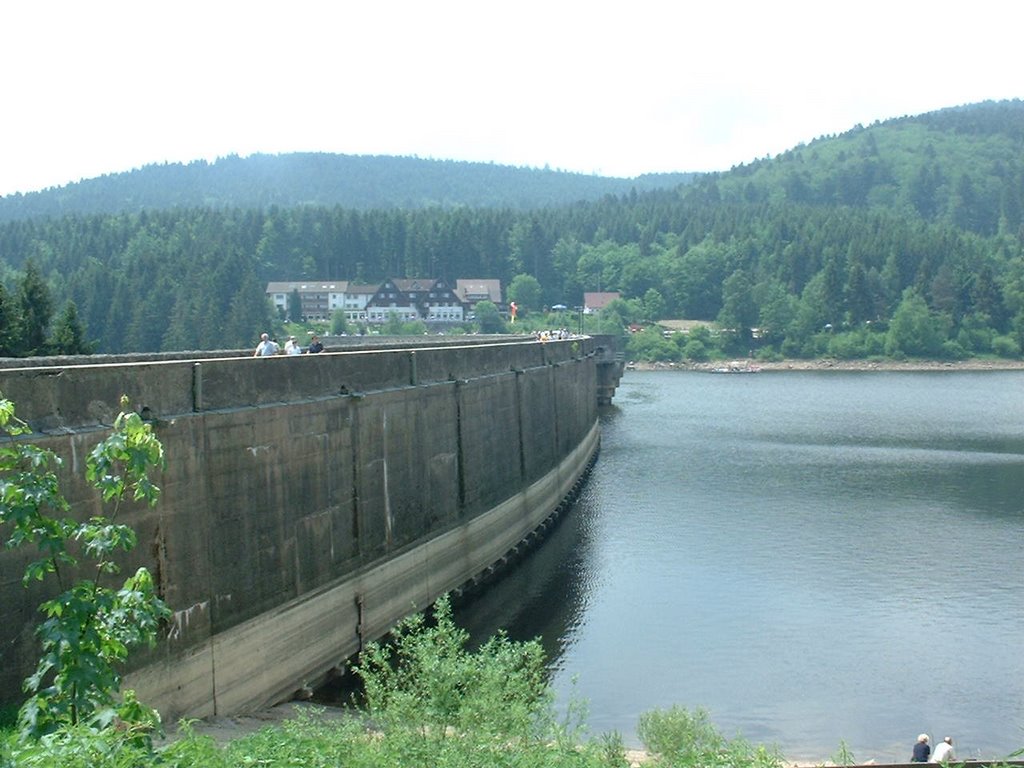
x,y
617,89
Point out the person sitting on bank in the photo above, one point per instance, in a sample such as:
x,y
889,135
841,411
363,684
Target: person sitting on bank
x,y
921,750
314,345
944,751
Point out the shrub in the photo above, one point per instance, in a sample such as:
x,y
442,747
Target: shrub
x,y
427,683
80,746
769,355
681,738
847,346
89,627
695,350
432,702
650,345
1005,346
951,350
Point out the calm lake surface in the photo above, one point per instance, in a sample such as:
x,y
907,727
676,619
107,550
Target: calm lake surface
x,y
811,557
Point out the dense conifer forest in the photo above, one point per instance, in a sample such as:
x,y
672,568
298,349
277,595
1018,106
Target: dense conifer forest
x,y
903,238
359,182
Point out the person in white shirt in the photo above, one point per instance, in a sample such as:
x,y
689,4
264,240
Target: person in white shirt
x,y
944,751
291,347
266,347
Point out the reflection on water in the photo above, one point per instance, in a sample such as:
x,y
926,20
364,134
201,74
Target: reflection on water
x,y
810,557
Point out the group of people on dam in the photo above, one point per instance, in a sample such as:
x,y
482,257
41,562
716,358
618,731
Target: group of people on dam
x,y
268,346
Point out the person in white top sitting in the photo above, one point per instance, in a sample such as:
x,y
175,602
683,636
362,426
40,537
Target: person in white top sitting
x,y
291,347
944,751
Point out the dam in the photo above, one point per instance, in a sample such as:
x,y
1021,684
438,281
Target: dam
x,y
310,502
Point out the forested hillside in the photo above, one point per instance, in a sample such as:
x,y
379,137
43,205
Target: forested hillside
x,y
961,166
902,238
319,179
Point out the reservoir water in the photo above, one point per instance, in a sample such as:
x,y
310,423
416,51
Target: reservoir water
x,y
810,557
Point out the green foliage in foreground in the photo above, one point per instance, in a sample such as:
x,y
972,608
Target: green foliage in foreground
x,y
90,626
428,702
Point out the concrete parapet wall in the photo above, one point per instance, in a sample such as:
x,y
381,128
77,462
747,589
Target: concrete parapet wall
x,y
60,396
309,502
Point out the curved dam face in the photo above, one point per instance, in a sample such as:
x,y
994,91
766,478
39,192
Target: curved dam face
x,y
308,502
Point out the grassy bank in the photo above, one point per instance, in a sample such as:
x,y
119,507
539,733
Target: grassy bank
x,y
426,701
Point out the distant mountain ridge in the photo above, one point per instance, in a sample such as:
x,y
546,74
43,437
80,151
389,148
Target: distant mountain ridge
x,y
360,182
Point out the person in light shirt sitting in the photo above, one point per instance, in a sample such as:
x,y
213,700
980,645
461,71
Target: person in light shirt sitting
x,y
944,751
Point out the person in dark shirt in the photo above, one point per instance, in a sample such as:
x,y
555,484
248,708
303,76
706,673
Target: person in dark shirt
x,y
921,750
314,346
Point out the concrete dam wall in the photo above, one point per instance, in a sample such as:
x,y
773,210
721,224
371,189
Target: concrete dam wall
x,y
308,502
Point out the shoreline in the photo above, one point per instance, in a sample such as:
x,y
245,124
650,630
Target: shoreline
x,y
223,729
831,364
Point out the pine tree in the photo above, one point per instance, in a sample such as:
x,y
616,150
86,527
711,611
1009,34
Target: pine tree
x,y
295,306
8,324
69,334
249,314
35,306
859,301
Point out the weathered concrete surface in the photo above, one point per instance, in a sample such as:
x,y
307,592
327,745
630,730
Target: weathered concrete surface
x,y
611,364
310,502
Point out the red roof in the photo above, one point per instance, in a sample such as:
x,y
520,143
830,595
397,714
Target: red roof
x,y
600,299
